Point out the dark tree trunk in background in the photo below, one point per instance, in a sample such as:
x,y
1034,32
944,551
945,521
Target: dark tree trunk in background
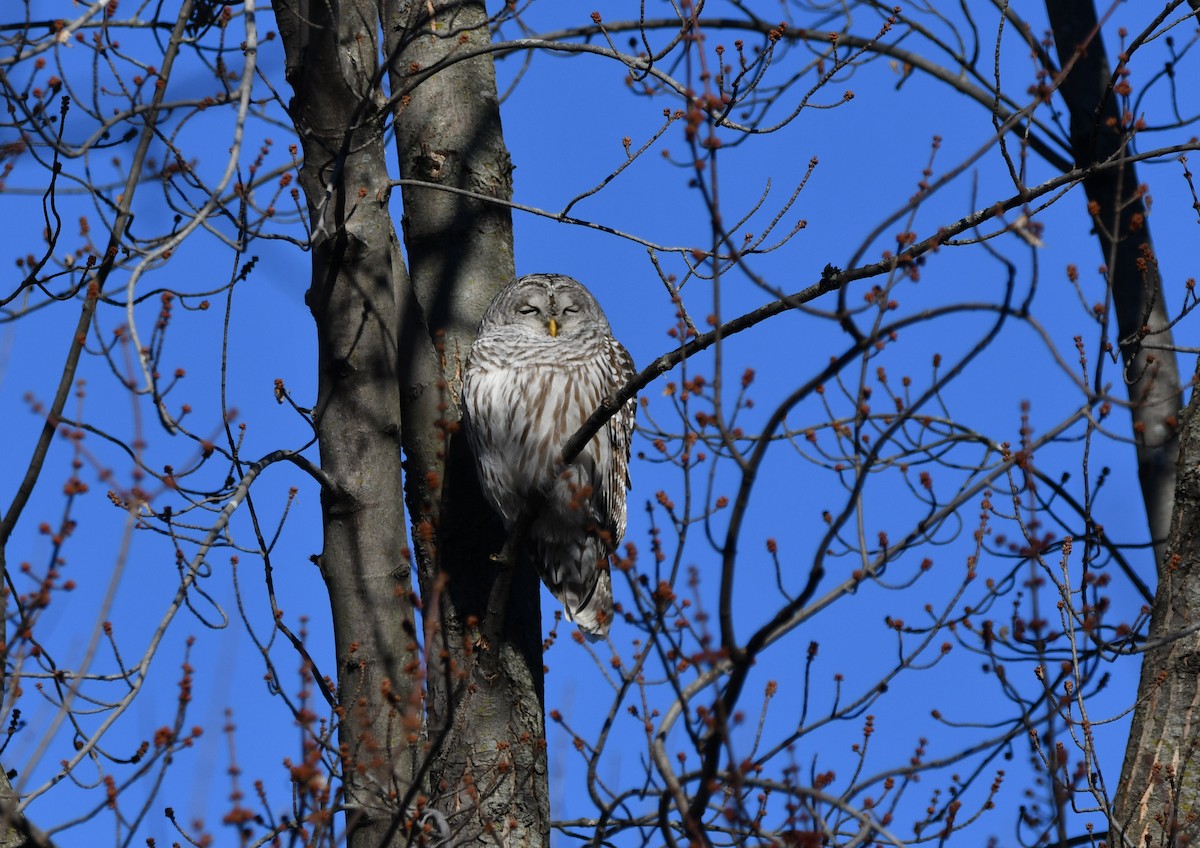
x,y
485,692
392,347
332,59
1159,786
1122,227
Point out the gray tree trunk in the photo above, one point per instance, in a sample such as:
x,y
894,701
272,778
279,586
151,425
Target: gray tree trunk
x,y
392,348
332,51
1158,802
16,831
485,695
1159,787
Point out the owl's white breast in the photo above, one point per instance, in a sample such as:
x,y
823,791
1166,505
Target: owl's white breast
x,y
520,417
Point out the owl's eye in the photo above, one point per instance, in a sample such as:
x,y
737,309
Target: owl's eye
x,y
570,309
528,310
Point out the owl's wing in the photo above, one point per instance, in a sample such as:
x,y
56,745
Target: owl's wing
x,y
612,480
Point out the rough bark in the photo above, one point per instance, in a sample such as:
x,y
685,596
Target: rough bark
x,y
16,831
1151,375
1159,799
332,65
485,691
1156,800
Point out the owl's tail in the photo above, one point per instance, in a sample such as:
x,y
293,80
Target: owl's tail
x,y
594,614
578,576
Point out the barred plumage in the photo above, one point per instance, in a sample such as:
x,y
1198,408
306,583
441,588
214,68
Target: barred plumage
x,y
543,361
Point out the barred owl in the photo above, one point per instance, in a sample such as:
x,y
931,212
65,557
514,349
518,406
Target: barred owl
x,y
542,363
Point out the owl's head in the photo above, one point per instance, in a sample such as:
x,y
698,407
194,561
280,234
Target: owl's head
x,y
547,306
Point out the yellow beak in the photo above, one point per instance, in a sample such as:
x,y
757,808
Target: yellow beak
x,y
553,326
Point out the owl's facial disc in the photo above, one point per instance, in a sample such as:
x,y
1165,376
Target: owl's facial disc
x,y
541,315
551,312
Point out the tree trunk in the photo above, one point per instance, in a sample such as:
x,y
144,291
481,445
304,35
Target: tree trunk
x,y
485,705
1156,800
391,361
1098,134
357,284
